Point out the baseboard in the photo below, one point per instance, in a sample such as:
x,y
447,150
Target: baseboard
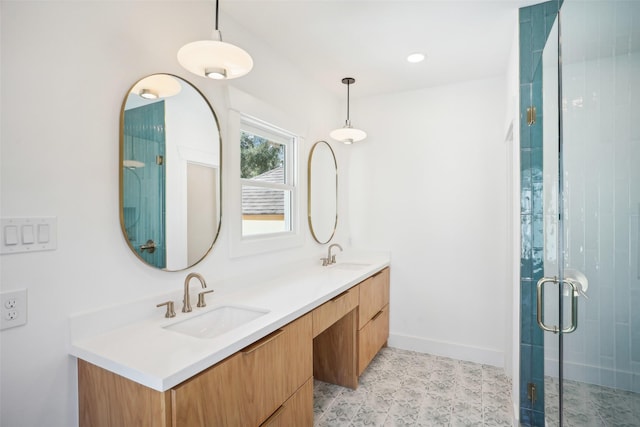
x,y
515,411
447,349
598,375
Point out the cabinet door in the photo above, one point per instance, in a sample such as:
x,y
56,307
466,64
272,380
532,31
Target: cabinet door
x,y
297,366
295,412
372,337
246,388
374,294
109,400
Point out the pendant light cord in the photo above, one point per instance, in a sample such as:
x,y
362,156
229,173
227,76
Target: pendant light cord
x,y
348,84
217,13
348,81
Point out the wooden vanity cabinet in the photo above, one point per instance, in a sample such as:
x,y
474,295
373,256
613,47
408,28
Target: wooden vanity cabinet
x,y
373,317
268,383
252,386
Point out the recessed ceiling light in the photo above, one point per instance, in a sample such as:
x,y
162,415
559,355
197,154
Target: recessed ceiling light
x,y
415,58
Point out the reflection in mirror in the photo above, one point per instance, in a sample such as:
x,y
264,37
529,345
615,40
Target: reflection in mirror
x,y
323,192
170,158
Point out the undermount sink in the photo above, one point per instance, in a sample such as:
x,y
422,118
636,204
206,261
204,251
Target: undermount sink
x,y
217,321
350,265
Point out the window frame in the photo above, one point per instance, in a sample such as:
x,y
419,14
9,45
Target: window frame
x,y
241,245
288,140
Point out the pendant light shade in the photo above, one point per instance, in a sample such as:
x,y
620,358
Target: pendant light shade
x,y
348,134
214,58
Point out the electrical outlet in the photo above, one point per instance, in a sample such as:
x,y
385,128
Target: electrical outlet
x,y
13,308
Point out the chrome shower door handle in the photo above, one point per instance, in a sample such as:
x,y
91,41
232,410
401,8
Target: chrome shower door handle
x,y
539,312
150,246
576,290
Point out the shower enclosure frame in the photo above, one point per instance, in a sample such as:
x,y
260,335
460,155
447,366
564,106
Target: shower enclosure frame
x,y
535,23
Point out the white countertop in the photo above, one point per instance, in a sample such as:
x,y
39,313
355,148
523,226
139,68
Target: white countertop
x,y
145,352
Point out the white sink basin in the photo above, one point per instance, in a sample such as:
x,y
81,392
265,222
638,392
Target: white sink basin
x,y
217,321
350,265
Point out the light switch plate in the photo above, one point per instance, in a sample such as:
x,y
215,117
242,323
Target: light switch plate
x,y
28,234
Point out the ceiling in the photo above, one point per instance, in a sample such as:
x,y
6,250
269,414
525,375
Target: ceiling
x,y
369,40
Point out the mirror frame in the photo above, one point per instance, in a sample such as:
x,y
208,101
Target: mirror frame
x,y
121,155
309,193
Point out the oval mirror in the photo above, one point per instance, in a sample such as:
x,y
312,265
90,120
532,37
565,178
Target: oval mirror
x,y
170,159
322,195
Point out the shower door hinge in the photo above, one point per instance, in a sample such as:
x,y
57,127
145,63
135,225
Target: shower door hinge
x,y
532,393
159,160
531,115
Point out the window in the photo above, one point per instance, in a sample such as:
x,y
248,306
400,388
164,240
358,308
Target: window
x,y
267,179
264,182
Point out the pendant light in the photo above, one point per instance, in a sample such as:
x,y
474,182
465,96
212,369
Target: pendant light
x,y
214,58
348,134
157,86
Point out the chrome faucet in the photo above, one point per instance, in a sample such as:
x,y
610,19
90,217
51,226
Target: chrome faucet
x,y
186,306
331,259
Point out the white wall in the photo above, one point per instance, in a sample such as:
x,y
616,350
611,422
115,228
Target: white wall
x,y
429,184
65,69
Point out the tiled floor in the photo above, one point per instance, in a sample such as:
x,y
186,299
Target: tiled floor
x,y
404,388
587,405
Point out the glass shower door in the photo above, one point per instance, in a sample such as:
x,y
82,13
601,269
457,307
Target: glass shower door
x,y
550,292
591,181
600,155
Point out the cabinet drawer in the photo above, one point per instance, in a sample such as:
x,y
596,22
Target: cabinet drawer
x,y
246,388
374,294
297,411
239,391
372,337
333,310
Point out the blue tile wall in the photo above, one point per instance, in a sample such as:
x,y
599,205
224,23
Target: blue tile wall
x,y
535,24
